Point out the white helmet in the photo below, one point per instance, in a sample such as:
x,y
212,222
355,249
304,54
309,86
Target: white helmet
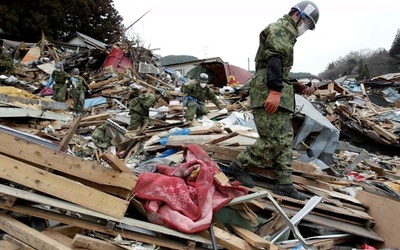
x,y
203,77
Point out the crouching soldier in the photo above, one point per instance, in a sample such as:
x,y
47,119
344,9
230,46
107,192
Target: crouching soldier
x,y
197,93
139,108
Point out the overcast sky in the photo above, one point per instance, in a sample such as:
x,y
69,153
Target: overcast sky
x,y
230,29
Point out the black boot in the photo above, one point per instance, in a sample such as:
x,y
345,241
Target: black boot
x,y
241,175
289,191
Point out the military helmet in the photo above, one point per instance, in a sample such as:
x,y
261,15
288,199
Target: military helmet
x,y
59,65
75,72
203,77
310,10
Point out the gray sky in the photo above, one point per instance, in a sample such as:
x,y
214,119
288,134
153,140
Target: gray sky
x,y
230,29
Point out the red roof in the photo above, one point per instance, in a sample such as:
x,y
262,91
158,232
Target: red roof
x,y
219,73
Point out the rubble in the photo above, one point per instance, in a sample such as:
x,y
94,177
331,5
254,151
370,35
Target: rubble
x,y
78,191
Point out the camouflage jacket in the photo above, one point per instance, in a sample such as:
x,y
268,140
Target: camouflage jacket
x,y
78,84
276,40
194,90
60,76
142,103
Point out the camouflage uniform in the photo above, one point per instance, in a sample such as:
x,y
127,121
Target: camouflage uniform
x,y
195,97
60,85
275,130
100,138
78,88
139,109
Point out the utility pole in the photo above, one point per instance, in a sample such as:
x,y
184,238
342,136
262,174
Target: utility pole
x,y
248,63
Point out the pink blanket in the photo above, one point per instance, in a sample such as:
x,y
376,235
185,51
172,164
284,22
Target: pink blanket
x,y
184,198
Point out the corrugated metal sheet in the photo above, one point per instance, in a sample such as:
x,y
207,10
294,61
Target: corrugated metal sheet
x,y
119,60
91,41
241,75
219,73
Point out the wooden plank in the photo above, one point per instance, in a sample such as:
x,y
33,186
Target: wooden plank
x,y
113,91
63,239
179,140
61,187
156,240
66,230
95,85
386,214
91,123
314,183
160,81
116,163
33,54
227,240
5,245
63,146
366,98
87,242
116,191
225,137
29,235
19,244
221,153
337,195
81,210
98,117
385,133
304,167
45,157
253,239
222,179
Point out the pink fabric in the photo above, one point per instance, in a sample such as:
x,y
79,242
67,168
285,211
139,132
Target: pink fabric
x,y
184,198
46,91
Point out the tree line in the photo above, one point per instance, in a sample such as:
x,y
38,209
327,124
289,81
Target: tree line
x,y
25,20
365,64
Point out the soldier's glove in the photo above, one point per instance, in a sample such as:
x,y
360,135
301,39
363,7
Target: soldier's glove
x,y
271,104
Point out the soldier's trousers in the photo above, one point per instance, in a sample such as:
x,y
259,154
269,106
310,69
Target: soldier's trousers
x,y
59,92
79,101
136,120
193,109
274,143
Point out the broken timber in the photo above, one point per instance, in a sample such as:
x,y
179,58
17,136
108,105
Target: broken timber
x,y
41,156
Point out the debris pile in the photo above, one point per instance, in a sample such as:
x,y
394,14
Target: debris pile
x,y
87,182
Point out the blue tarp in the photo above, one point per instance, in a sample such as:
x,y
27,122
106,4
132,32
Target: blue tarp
x,y
90,102
168,70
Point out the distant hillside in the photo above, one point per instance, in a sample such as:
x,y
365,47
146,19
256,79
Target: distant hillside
x,y
298,75
172,59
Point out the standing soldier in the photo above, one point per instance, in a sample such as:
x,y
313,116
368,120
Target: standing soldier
x,y
196,93
272,99
60,79
139,108
78,89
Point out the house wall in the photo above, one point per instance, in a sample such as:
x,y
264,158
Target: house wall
x,y
182,68
76,41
